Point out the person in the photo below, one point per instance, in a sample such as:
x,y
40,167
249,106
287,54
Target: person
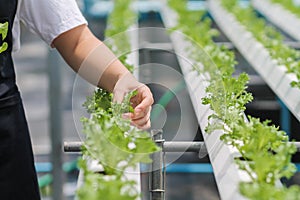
x,y
61,25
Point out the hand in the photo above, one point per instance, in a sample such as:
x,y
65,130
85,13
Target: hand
x,y
141,102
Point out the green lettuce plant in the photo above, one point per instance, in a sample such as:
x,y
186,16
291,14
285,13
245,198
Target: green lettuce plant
x,y
110,139
289,5
3,34
266,152
268,36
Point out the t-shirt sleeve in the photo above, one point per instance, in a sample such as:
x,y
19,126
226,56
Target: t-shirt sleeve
x,y
50,18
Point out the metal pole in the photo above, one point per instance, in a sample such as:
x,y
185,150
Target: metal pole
x,y
297,144
72,146
157,190
184,147
285,118
54,69
167,147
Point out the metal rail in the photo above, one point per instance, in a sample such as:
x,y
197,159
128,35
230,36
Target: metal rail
x,y
157,174
167,147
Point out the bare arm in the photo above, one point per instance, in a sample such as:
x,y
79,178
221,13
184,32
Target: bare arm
x,y
76,45
89,57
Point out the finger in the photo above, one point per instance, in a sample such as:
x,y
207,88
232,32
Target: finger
x,y
145,126
146,102
142,121
127,116
140,113
146,98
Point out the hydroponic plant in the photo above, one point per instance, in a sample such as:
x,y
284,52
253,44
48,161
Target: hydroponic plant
x,y
266,152
110,139
3,33
289,5
268,36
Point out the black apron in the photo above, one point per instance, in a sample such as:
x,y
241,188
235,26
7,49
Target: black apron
x,y
18,179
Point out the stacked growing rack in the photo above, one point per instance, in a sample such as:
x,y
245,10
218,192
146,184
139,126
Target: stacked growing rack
x,y
223,157
200,89
258,56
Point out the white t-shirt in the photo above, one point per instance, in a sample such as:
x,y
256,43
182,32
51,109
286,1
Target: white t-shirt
x,y
46,18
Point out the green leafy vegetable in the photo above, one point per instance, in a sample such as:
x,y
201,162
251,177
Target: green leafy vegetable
x,y
266,152
268,36
3,33
110,139
289,5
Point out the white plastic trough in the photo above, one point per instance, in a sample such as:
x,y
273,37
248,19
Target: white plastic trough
x,y
278,15
258,57
226,172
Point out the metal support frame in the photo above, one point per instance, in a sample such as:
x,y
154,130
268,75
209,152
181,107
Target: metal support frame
x,y
285,118
157,179
55,115
157,175
167,147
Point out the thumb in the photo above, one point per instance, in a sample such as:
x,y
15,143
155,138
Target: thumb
x,y
118,96
125,84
